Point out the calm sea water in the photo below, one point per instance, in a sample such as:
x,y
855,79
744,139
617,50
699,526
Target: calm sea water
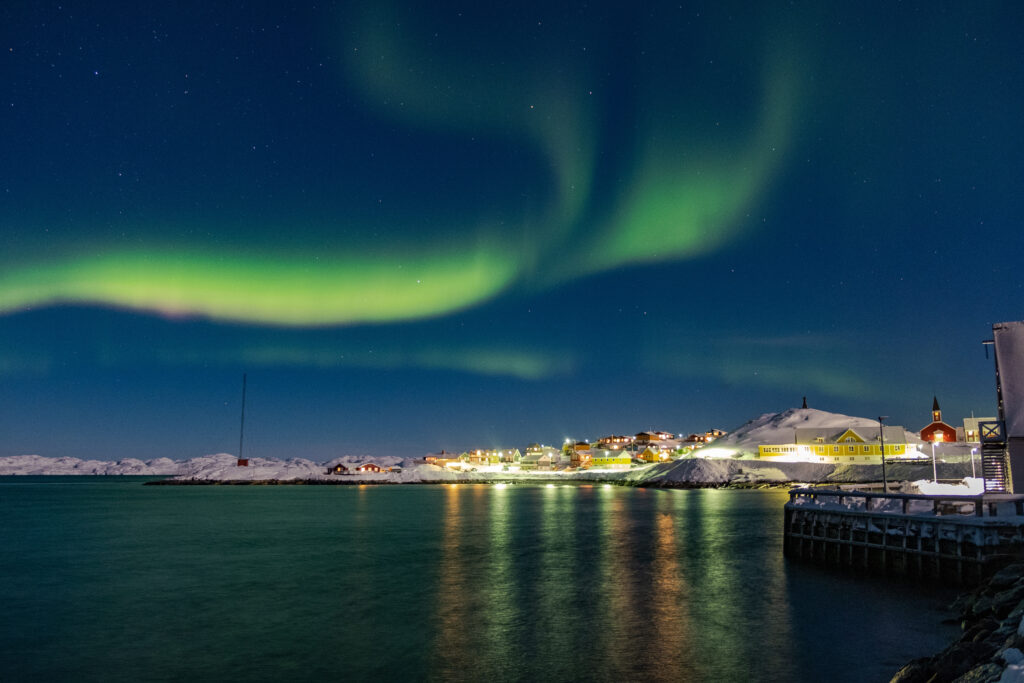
x,y
106,579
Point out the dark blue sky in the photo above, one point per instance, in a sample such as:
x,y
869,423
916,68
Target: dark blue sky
x,y
448,226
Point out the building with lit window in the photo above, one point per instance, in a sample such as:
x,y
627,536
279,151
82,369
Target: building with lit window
x,y
971,431
853,445
938,431
610,459
713,434
653,454
615,442
644,439
538,457
492,456
580,454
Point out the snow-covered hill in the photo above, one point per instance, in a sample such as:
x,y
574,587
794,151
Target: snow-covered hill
x,y
778,428
37,464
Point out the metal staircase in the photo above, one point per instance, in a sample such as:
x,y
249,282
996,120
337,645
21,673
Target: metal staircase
x,y
995,467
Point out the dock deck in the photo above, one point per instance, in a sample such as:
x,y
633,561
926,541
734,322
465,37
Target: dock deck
x,y
953,539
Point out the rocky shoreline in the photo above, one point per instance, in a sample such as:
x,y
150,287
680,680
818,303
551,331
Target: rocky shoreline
x,y
990,648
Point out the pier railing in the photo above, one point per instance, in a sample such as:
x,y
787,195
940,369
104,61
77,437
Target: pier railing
x,y
949,538
940,504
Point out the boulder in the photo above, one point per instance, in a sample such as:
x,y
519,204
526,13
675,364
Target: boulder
x,y
983,673
1005,602
917,671
1006,577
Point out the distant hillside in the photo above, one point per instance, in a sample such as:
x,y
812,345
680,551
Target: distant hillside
x,y
37,464
777,428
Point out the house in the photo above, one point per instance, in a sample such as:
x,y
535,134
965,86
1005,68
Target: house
x,y
580,454
971,430
509,455
481,457
337,469
938,431
851,445
430,458
713,434
615,442
368,468
540,457
494,456
654,454
448,463
644,439
610,459
536,461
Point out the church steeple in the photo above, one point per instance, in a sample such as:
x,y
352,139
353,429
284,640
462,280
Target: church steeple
x,y
804,406
936,412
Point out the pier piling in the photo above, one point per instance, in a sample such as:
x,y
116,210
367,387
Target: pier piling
x,y
952,539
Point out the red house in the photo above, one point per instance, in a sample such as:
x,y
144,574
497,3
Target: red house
x,y
938,431
368,467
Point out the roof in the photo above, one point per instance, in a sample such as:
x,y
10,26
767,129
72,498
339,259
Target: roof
x,y
609,453
810,435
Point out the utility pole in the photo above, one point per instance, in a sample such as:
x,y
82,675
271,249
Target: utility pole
x,y
241,429
881,442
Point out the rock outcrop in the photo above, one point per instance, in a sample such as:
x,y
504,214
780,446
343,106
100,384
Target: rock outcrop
x,y
991,647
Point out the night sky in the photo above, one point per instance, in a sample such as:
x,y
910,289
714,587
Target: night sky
x,y
449,225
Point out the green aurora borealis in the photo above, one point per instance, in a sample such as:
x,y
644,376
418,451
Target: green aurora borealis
x,y
682,199
504,224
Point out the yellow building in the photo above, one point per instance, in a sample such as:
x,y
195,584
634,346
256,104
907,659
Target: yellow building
x,y
610,459
650,454
854,445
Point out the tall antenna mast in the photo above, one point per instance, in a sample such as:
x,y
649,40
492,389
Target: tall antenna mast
x,y
242,462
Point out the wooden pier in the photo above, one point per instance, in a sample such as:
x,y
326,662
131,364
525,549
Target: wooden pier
x,y
952,539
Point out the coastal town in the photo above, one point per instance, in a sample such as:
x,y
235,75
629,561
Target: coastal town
x,y
853,443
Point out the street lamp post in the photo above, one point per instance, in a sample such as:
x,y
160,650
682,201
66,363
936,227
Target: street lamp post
x,y
881,442
935,471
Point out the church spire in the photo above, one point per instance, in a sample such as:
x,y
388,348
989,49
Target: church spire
x,y
936,412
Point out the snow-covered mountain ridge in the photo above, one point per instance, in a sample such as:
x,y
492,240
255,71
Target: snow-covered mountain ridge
x,y
193,467
37,464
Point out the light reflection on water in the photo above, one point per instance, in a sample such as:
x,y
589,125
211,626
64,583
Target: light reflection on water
x,y
468,582
669,615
